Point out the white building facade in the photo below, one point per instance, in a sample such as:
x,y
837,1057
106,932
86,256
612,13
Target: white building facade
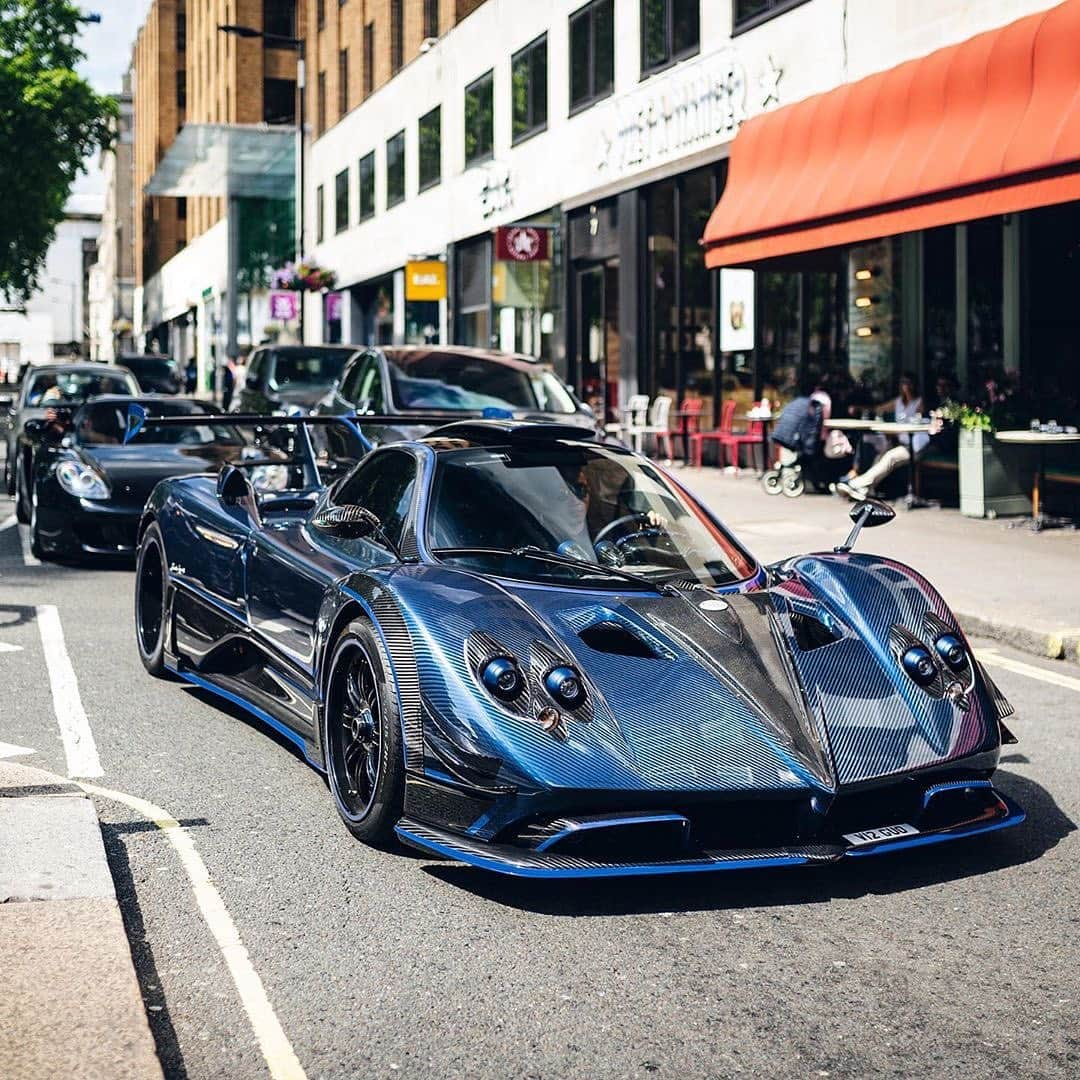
x,y
604,126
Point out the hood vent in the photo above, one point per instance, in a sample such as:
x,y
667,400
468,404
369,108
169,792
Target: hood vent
x,y
811,633
613,637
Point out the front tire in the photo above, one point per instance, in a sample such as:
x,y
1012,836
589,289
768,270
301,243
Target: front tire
x,y
151,615
362,736
22,493
35,531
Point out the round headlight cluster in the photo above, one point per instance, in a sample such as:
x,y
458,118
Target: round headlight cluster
x,y
919,664
81,481
564,685
951,649
503,678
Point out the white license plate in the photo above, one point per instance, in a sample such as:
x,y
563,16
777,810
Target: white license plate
x,y
876,836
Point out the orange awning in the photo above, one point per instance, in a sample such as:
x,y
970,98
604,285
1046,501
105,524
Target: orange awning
x,y
989,126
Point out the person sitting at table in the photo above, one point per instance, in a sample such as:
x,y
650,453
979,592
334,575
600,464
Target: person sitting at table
x,y
907,408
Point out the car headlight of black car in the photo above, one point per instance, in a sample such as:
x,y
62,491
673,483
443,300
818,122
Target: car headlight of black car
x,y
81,481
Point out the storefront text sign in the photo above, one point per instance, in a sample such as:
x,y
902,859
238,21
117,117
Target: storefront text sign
x,y
736,310
284,306
334,306
698,104
425,279
496,190
522,243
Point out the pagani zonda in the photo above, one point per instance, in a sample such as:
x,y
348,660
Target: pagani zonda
x,y
518,648
87,488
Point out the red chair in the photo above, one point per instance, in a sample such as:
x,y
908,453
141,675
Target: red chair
x,y
690,410
751,437
723,436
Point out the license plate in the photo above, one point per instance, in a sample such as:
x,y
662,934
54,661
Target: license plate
x,y
876,836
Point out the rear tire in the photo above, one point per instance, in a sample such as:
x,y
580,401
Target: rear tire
x,y
151,617
362,742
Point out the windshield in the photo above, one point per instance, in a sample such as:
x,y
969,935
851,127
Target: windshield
x,y
443,380
74,387
152,367
310,367
594,504
103,423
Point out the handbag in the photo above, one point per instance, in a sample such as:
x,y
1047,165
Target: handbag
x,y
837,445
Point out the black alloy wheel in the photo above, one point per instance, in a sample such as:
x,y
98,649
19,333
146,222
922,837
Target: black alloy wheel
x,y
362,736
151,623
22,492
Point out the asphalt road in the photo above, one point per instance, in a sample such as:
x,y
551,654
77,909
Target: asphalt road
x,y
959,960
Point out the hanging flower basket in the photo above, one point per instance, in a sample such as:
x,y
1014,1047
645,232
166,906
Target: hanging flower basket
x,y
303,277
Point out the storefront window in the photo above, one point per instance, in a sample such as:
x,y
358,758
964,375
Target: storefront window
x,y
779,313
939,312
663,307
697,335
526,296
984,272
473,291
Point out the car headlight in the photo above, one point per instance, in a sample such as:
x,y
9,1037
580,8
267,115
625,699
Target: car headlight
x,y
919,664
503,678
81,481
951,649
565,686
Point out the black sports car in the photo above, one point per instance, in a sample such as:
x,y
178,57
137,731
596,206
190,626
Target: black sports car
x,y
88,488
49,396
516,647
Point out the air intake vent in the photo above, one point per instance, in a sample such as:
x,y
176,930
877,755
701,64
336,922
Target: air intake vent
x,y
613,637
811,633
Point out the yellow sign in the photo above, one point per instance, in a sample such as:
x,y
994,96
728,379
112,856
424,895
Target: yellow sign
x,y
425,280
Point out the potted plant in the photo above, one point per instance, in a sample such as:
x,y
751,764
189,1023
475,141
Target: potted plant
x,y
305,276
994,477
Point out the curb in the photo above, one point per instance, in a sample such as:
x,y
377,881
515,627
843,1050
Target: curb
x,y
71,1004
1049,644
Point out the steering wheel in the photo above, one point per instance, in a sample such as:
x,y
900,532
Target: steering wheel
x,y
652,529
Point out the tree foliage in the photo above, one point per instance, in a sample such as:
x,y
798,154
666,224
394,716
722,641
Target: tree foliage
x,y
51,120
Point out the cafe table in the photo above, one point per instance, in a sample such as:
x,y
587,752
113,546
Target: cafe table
x,y
912,500
1040,440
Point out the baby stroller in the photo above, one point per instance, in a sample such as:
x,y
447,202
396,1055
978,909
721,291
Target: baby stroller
x,y
797,437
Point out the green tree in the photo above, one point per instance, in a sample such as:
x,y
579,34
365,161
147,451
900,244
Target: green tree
x,y
51,120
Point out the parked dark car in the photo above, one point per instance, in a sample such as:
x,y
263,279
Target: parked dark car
x,y
450,381
89,486
280,377
157,374
56,390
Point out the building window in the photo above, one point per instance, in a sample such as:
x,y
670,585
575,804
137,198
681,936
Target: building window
x,y
431,18
341,201
528,87
369,59
366,184
395,169
592,53
343,81
320,103
279,17
181,93
279,101
397,36
320,215
479,120
429,133
181,31
320,14
670,31
748,13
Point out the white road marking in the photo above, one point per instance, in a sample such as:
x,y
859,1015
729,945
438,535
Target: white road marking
x,y
281,1059
9,522
79,746
11,750
994,659
6,647
28,558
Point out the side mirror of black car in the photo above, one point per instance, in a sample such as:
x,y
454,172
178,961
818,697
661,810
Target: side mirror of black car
x,y
868,513
347,522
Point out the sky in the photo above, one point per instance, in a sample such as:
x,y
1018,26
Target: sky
x,y
108,55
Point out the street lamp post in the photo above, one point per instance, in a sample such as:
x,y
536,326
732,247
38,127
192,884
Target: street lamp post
x,y
297,44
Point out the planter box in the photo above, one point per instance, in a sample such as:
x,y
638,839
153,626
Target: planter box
x,y
995,478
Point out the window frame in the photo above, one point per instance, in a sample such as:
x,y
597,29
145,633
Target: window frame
x,y
361,216
397,36
341,202
320,103
376,461
431,19
391,202
775,8
488,155
369,59
588,11
432,181
673,57
528,53
343,82
320,214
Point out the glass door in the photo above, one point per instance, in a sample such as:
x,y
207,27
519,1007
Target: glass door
x,y
597,293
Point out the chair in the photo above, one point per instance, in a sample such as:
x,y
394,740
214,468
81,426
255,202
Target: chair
x,y
723,436
689,418
750,437
635,420
657,426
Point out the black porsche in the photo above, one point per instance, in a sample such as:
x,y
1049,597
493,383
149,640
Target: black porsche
x,y
88,488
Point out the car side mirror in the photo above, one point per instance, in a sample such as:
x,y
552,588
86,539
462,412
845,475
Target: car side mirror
x,y
868,513
35,428
347,522
232,486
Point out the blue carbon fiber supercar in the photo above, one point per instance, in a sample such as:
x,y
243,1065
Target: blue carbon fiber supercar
x,y
514,646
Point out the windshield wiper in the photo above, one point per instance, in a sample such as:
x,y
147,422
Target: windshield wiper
x,y
531,551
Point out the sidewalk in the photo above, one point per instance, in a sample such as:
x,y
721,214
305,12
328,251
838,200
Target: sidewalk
x,y
1012,585
70,1004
